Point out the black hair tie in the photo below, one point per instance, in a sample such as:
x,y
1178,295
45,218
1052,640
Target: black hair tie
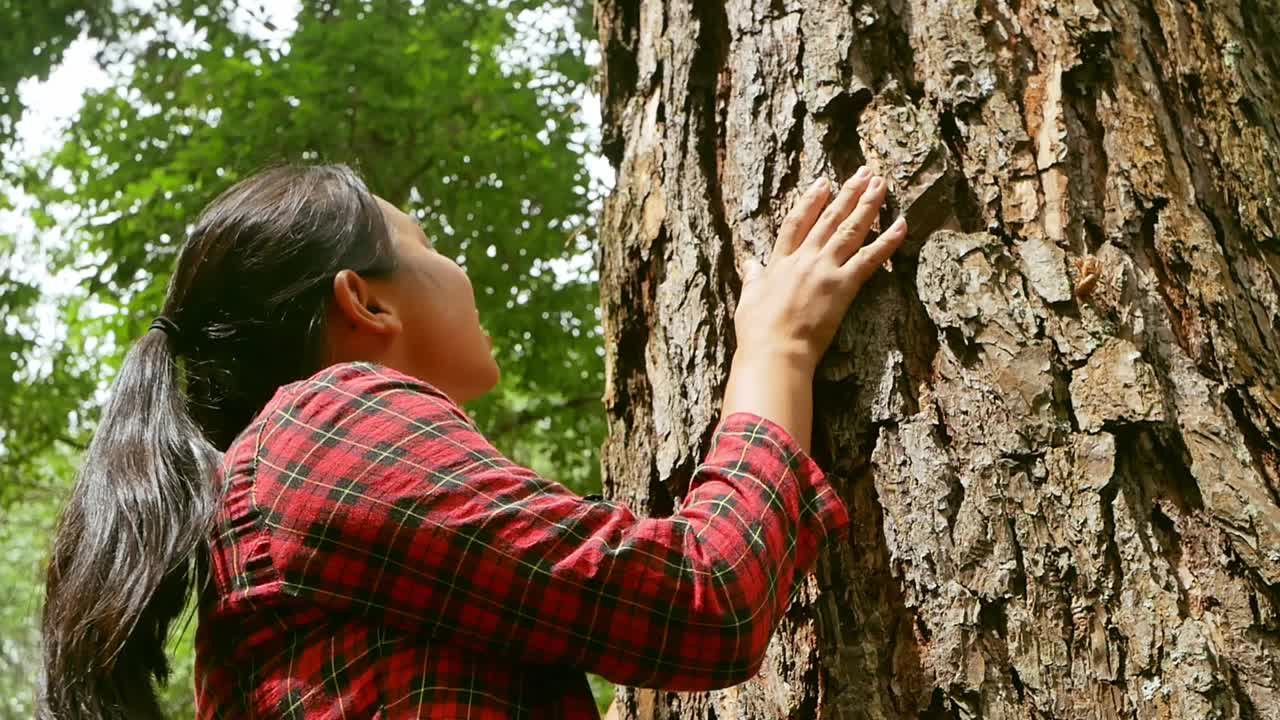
x,y
167,326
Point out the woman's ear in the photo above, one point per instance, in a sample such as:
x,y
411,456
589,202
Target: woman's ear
x,y
361,307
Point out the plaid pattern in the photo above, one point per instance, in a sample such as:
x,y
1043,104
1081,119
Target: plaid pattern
x,y
376,557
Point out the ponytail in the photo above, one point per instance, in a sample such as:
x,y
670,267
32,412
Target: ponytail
x,y
250,293
124,557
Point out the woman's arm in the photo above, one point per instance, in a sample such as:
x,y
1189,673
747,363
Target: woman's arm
x,y
381,499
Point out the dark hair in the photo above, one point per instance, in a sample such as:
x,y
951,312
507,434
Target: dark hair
x,y
249,298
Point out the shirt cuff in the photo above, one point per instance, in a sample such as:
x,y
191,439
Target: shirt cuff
x,y
821,506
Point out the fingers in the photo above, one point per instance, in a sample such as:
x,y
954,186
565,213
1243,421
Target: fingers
x,y
839,208
853,230
869,258
798,222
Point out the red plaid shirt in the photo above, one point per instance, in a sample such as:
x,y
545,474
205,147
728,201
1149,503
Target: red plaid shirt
x,y
376,557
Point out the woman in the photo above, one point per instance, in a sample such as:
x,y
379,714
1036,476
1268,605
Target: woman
x,y
288,439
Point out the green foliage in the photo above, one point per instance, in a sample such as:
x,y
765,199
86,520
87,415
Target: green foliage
x,y
417,96
439,105
23,538
37,34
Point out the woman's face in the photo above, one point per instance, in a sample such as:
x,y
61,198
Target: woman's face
x,y
441,340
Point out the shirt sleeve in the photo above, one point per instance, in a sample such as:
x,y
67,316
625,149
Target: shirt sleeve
x,y
382,498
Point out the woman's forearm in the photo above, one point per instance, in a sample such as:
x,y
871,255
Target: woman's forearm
x,y
777,386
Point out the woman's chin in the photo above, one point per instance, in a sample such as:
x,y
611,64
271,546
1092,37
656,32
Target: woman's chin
x,y
484,381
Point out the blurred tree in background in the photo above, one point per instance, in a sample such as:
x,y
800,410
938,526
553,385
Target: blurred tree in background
x,y
465,113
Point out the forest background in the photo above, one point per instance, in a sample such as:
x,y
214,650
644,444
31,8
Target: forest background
x,y
120,120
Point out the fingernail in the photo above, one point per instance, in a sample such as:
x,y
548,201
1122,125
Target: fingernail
x,y
876,182
898,224
862,172
817,185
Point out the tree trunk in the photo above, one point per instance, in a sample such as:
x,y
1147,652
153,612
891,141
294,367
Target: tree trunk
x,y
1056,421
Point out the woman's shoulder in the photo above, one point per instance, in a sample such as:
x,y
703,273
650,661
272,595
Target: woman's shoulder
x,y
361,378
361,387
352,400
351,415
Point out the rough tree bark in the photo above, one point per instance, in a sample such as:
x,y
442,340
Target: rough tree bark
x,y
1057,420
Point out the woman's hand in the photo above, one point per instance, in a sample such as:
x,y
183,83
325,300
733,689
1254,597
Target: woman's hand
x,y
792,307
789,311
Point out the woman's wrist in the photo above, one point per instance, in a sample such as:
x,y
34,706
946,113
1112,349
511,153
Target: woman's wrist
x,y
785,357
